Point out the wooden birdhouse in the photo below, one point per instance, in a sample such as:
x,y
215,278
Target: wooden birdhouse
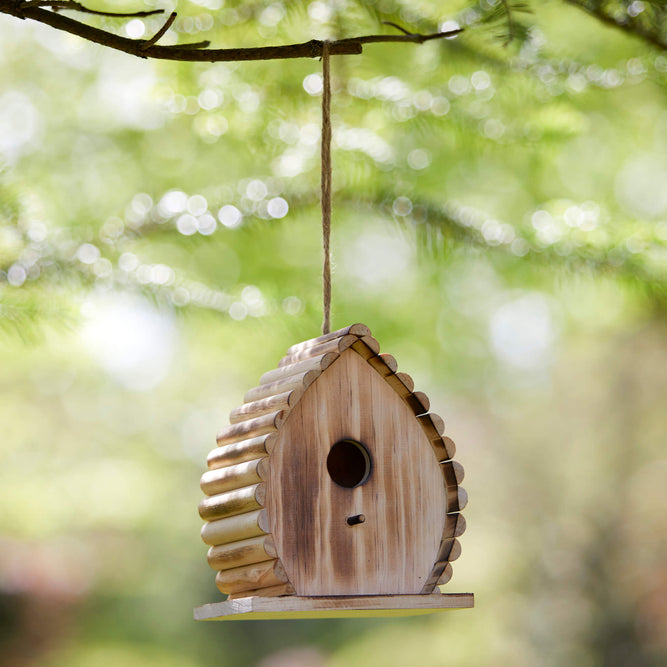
x,y
333,491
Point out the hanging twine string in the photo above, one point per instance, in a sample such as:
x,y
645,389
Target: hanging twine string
x,y
325,198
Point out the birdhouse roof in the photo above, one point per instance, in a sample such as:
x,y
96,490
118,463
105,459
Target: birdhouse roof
x,y
238,528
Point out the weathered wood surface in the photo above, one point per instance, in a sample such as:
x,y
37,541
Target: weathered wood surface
x,y
220,480
403,501
239,501
358,330
235,528
245,552
239,452
251,577
258,608
258,428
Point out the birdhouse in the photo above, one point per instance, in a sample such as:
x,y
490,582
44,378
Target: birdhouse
x,y
333,492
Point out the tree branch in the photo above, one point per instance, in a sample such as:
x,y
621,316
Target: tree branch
x,y
35,10
77,6
628,26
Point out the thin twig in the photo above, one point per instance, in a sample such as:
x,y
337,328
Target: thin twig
x,y
398,27
167,24
198,52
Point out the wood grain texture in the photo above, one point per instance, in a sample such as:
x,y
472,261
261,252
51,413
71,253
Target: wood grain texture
x,y
315,364
234,502
235,528
251,577
252,550
244,450
276,608
231,477
283,401
251,428
403,501
304,380
356,329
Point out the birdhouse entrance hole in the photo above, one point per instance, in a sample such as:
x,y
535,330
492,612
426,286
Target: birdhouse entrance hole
x,y
349,464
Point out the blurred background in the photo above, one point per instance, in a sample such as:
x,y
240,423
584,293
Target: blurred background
x,y
500,223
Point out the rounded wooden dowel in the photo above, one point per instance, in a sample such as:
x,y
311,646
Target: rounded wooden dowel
x,y
423,401
450,447
304,380
455,525
251,428
455,551
446,575
418,402
319,363
231,477
251,577
338,345
384,364
235,528
456,501
450,549
238,452
270,592
356,329
274,403
234,502
245,552
453,473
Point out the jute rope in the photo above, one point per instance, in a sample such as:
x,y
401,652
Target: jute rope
x,y
326,187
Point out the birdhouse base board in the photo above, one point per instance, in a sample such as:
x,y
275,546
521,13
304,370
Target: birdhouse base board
x,y
358,606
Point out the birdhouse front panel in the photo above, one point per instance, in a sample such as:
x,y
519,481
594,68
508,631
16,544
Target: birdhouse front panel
x,y
355,494
333,479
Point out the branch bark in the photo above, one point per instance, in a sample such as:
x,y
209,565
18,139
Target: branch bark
x,y
36,11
